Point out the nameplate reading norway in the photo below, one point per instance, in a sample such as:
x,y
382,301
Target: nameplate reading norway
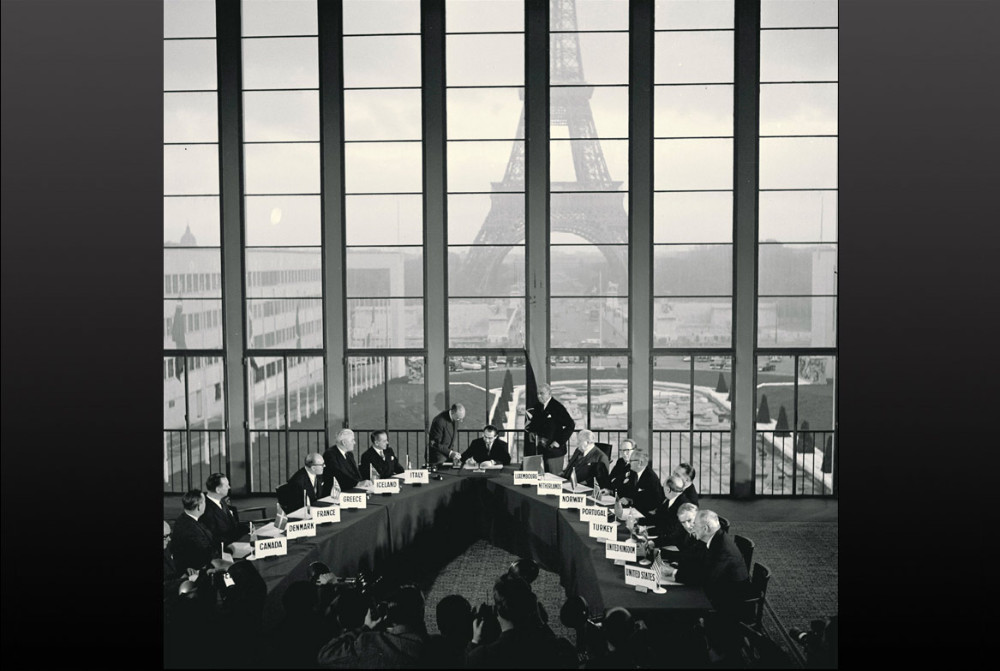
x,y
640,577
353,500
420,476
270,547
571,500
327,514
620,550
549,487
387,486
593,514
604,531
525,477
300,529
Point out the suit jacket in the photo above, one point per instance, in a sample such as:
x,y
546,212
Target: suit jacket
x,y
398,648
645,490
669,529
690,560
524,647
726,580
300,481
346,471
192,543
441,438
553,423
223,522
692,494
498,451
386,468
590,468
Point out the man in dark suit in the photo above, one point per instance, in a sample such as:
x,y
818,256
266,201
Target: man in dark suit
x,y
309,479
686,472
588,462
664,517
340,460
689,558
548,430
219,517
442,437
381,456
192,541
621,466
640,484
488,450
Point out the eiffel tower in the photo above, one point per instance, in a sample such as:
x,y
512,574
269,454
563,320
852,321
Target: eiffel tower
x,y
595,217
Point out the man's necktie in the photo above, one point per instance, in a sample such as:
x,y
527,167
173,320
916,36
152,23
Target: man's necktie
x,y
353,465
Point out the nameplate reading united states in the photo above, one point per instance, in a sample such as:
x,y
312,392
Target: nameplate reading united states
x,y
525,477
593,514
387,486
300,529
640,577
604,531
420,476
620,550
270,547
549,487
567,500
327,515
353,500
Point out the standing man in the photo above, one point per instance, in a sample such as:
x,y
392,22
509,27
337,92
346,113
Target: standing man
x,y
589,462
488,450
340,459
548,429
219,516
381,456
442,438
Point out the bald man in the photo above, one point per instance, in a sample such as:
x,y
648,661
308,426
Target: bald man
x,y
310,479
548,429
588,462
664,517
442,436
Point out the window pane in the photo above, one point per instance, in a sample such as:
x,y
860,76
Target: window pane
x,y
798,163
189,65
682,14
484,60
189,18
381,61
277,221
798,109
195,218
671,393
384,220
485,271
192,323
282,168
589,322
693,322
406,397
190,169
588,165
281,63
693,217
484,113
816,393
698,58
382,16
467,16
483,166
279,17
507,384
281,116
267,393
385,322
693,164
486,322
593,217
468,218
692,111
798,55
174,408
366,392
205,263
608,392
608,106
569,387
797,269
190,117
712,405
385,272
284,272
382,115
206,400
796,322
383,167
692,270
467,385
798,13
285,323
604,58
582,270
305,393
794,216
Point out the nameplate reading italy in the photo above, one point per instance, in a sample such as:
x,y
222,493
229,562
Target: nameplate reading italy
x,y
301,528
620,550
270,547
640,577
327,514
603,531
567,500
354,500
387,486
549,487
525,477
419,476
593,514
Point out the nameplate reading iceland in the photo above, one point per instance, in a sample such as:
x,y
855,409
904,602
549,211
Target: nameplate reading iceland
x,y
354,500
640,577
593,514
620,550
549,487
420,476
300,529
387,486
604,531
525,477
567,500
327,515
270,547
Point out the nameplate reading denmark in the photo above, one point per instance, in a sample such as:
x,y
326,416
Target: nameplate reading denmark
x,y
603,531
327,515
525,477
270,547
640,577
593,514
420,476
300,529
387,486
354,500
620,550
572,500
549,487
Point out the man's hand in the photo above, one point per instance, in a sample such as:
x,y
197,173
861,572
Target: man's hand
x,y
369,622
488,462
456,457
477,630
326,578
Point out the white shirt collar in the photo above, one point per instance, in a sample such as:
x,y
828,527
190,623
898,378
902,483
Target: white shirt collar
x,y
342,451
588,449
312,477
218,503
671,499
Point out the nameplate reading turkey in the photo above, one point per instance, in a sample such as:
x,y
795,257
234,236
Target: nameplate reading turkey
x,y
420,476
353,500
593,514
327,515
525,477
640,577
620,550
604,531
571,500
270,547
387,486
549,487
300,529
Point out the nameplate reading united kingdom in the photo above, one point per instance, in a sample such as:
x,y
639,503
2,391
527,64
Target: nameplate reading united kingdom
x,y
593,514
620,550
353,500
327,515
387,486
640,577
568,501
525,477
604,531
270,547
300,529
419,476
549,487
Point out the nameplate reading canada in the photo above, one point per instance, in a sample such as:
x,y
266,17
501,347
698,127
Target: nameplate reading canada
x,y
549,487
640,577
270,547
604,531
572,500
387,486
300,529
327,515
420,476
620,550
593,514
525,477
353,500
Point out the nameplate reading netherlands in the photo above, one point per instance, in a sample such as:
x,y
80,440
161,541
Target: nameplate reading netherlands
x,y
620,550
593,514
327,515
354,500
604,531
640,577
525,477
270,547
420,476
568,501
387,486
549,487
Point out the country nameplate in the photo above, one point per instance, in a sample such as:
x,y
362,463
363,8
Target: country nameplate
x,y
353,500
593,514
568,501
387,486
270,547
418,476
640,577
624,550
549,487
301,529
327,515
525,478
607,531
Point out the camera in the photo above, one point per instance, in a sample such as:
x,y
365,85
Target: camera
x,y
491,625
820,642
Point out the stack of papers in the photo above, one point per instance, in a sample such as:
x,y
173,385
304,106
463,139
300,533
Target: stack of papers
x,y
579,488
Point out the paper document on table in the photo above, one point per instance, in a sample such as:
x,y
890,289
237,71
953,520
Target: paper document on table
x,y
552,476
329,499
670,548
269,530
366,488
578,489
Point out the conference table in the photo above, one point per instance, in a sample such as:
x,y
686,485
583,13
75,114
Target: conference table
x,y
423,527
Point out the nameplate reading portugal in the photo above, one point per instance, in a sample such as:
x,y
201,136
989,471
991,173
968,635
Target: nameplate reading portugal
x,y
387,486
327,515
593,514
353,500
300,529
270,547
640,577
525,477
604,531
420,476
549,487
568,501
620,550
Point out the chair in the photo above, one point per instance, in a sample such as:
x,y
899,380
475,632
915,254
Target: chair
x,y
754,605
746,547
243,510
723,524
289,497
605,448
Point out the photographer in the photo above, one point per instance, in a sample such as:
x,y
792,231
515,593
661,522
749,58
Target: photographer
x,y
821,642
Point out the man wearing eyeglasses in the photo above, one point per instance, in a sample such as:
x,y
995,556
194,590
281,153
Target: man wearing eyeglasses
x,y
310,479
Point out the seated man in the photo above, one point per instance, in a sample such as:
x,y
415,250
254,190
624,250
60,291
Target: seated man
x,y
664,517
447,649
219,516
588,461
621,467
381,456
192,542
487,450
638,483
340,460
686,473
307,482
689,558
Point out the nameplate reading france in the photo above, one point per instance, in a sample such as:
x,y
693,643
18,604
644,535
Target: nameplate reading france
x,y
640,577
300,529
270,547
420,476
603,531
620,550
593,514
549,487
387,486
571,500
525,477
327,515
354,500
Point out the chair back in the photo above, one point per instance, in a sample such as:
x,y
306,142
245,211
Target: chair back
x,y
746,547
605,448
289,497
723,524
754,603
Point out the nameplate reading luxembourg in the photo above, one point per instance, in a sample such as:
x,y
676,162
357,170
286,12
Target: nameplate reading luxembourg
x,y
300,529
567,500
620,550
640,577
549,487
327,515
525,477
593,514
270,547
604,531
354,500
387,486
419,476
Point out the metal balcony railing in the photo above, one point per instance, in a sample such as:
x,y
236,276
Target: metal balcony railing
x,y
189,457
793,463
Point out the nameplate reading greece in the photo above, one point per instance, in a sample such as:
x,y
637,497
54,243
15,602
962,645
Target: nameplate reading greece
x,y
604,531
327,514
620,550
525,477
593,514
572,500
300,529
270,547
549,487
387,486
419,476
353,500
640,577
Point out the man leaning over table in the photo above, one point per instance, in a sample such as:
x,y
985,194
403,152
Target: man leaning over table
x,y
442,437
